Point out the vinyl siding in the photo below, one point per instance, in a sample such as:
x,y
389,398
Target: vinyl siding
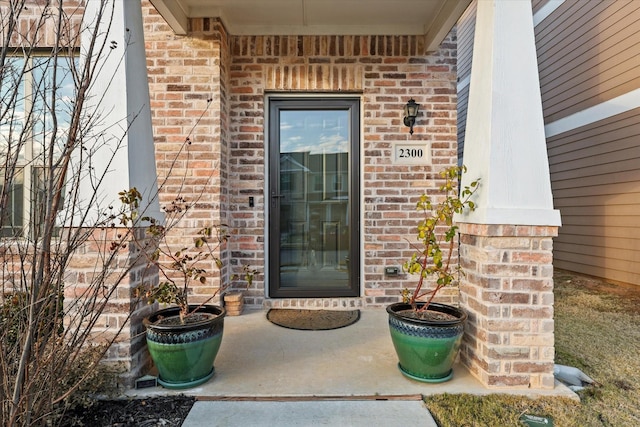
x,y
465,32
588,52
537,4
595,175
463,102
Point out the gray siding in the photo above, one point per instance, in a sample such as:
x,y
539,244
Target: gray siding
x,y
595,179
465,31
588,53
537,4
463,101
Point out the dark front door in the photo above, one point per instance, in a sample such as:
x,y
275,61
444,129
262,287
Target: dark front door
x,y
314,197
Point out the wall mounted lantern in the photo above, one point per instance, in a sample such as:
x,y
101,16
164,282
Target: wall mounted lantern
x,y
410,114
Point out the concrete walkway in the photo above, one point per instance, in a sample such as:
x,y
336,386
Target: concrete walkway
x,y
267,375
310,413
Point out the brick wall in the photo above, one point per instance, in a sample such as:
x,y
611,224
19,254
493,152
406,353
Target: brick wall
x,y
95,279
384,70
507,290
32,30
188,86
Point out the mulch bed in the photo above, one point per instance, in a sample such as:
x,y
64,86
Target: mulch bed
x,y
167,411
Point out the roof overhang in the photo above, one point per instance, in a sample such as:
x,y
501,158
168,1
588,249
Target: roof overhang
x,y
431,18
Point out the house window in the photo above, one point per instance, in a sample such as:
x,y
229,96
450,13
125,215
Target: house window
x,y
35,112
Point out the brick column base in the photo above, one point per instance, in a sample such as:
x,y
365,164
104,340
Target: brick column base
x,y
89,283
507,290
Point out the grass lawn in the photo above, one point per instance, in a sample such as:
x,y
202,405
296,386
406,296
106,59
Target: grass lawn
x,y
597,329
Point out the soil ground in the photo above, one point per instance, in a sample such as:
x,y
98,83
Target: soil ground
x,y
166,411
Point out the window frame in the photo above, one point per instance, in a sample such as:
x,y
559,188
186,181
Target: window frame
x,y
27,163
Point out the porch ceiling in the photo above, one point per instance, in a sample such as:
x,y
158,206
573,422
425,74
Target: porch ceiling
x,y
432,18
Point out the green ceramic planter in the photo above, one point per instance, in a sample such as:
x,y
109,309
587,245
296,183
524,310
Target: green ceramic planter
x,y
426,349
184,354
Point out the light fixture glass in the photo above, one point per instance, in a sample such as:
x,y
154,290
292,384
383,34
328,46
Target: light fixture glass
x,y
410,114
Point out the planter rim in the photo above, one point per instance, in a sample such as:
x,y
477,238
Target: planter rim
x,y
461,315
219,312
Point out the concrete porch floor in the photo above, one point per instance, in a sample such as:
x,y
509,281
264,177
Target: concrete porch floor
x,y
259,361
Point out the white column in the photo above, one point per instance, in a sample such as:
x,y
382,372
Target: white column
x,y
505,141
122,134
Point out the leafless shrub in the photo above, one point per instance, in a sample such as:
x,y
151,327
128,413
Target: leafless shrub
x,y
55,326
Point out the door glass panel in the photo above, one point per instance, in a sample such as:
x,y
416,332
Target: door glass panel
x,y
314,220
312,201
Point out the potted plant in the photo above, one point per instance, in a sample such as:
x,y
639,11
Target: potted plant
x,y
183,339
426,334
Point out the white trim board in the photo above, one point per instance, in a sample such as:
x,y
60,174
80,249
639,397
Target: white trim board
x,y
546,10
604,110
464,82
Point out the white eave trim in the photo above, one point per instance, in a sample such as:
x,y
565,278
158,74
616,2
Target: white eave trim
x,y
444,21
177,17
173,14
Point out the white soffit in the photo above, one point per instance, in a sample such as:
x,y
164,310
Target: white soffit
x,y
432,18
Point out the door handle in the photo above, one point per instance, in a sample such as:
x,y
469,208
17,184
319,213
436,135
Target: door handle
x,y
274,198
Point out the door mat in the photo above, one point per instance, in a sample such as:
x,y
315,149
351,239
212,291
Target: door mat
x,y
312,320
